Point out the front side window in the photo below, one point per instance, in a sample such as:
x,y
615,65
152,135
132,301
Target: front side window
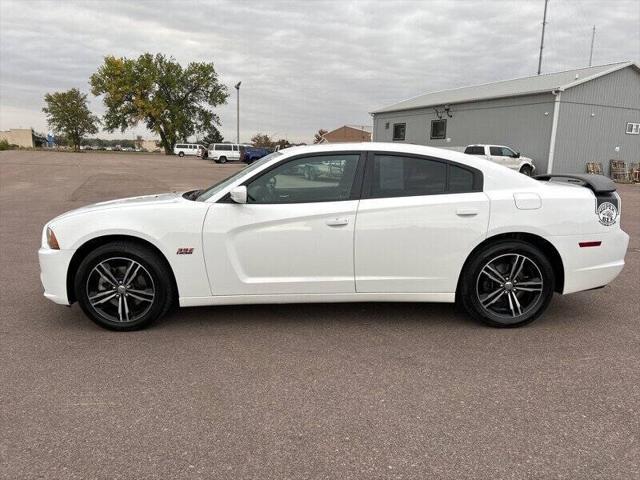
x,y
399,130
396,176
325,178
438,129
502,152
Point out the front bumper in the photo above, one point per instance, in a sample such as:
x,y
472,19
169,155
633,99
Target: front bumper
x,y
54,265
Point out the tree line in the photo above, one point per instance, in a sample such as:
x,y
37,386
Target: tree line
x,y
171,101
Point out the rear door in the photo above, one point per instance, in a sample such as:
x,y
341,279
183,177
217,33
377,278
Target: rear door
x,y
418,220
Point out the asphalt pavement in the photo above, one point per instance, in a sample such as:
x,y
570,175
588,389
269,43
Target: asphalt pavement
x,y
346,391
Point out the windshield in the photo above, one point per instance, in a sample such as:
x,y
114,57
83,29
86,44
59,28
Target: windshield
x,y
209,192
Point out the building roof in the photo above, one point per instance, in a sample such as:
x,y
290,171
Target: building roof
x,y
508,88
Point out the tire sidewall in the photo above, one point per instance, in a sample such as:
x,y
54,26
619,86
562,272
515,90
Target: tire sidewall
x,y
526,170
472,270
155,268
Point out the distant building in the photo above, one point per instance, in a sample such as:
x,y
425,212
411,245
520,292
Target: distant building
x,y
561,120
22,137
347,134
150,145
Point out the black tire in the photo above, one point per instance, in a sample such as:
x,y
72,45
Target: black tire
x,y
222,160
497,299
181,154
148,273
526,170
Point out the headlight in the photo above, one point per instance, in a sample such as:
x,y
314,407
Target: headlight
x,y
52,241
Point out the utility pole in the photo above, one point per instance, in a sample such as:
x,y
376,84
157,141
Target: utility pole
x,y
237,87
544,22
593,37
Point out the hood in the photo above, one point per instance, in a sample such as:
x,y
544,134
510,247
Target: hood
x,y
157,199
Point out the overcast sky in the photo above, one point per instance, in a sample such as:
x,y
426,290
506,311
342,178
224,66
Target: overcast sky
x,y
304,65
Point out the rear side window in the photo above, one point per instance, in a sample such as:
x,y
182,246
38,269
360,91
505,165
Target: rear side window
x,y
391,176
474,150
180,146
395,176
226,148
460,180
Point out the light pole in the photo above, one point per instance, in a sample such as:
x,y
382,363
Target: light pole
x,y
238,114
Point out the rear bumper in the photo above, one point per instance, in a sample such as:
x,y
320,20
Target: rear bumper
x,y
586,268
54,265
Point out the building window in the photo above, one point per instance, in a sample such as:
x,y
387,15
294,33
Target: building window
x,y
399,130
633,128
386,126
438,129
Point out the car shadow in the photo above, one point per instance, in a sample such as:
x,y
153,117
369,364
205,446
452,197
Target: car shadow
x,y
431,314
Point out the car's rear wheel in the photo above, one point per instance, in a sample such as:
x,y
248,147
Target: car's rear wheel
x,y
123,286
526,170
507,284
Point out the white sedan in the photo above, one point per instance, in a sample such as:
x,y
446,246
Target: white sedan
x,y
391,223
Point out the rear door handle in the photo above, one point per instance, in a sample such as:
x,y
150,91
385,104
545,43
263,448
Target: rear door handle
x,y
466,212
337,222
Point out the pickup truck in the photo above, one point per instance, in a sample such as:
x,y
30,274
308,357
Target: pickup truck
x,y
503,156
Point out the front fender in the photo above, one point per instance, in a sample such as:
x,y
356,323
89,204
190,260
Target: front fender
x,y
168,228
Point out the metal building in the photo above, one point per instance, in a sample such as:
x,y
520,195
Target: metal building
x,y
562,120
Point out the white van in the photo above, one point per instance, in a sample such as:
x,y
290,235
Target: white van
x,y
182,149
225,152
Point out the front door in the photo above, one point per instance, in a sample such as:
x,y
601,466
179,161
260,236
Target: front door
x,y
417,221
293,236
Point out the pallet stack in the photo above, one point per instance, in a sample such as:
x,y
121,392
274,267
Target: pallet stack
x,y
594,168
634,169
619,172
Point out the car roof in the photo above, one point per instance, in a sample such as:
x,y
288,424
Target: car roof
x,y
497,177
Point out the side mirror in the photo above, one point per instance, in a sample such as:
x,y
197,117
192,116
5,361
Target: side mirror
x,y
517,155
239,194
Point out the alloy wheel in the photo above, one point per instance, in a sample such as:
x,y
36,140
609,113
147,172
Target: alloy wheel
x,y
509,286
120,289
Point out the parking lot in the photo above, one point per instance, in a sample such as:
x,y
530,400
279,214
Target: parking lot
x,y
300,391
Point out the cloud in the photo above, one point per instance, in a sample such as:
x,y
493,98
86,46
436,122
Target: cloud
x,y
303,65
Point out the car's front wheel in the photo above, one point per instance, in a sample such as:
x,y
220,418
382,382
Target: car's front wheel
x,y
507,284
123,286
181,154
222,160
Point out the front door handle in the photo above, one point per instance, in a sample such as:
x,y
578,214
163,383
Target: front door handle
x,y
467,212
337,222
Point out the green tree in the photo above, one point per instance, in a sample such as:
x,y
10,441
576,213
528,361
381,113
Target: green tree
x,y
69,116
172,101
262,140
317,138
213,136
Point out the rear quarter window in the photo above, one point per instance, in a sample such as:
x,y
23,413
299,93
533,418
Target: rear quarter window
x,y
474,151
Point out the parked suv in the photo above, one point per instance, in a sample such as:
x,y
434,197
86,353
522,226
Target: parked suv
x,y
182,149
225,152
503,156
